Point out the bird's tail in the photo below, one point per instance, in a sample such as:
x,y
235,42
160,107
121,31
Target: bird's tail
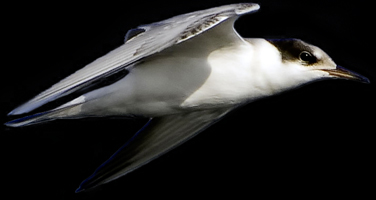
x,y
58,113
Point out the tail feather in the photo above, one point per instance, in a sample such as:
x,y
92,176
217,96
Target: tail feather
x,y
59,113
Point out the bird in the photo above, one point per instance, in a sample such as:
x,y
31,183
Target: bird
x,y
184,74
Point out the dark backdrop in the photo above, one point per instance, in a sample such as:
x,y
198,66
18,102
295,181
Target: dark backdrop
x,y
314,141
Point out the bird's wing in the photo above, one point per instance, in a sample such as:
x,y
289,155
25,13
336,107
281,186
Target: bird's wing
x,y
140,43
157,137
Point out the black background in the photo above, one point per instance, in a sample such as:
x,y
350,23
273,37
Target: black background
x,y
317,140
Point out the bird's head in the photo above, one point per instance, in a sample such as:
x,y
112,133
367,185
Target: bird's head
x,y
301,63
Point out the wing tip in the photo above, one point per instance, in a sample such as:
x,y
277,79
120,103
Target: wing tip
x,y
87,184
26,107
79,189
16,111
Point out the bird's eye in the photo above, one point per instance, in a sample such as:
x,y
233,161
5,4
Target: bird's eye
x,y
307,57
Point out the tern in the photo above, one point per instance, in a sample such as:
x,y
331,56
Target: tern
x,y
184,74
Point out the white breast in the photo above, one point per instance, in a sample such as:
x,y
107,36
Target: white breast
x,y
229,78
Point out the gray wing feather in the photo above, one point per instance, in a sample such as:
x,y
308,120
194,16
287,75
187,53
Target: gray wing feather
x,y
156,37
161,135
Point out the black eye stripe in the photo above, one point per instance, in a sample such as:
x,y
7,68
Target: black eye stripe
x,y
294,50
